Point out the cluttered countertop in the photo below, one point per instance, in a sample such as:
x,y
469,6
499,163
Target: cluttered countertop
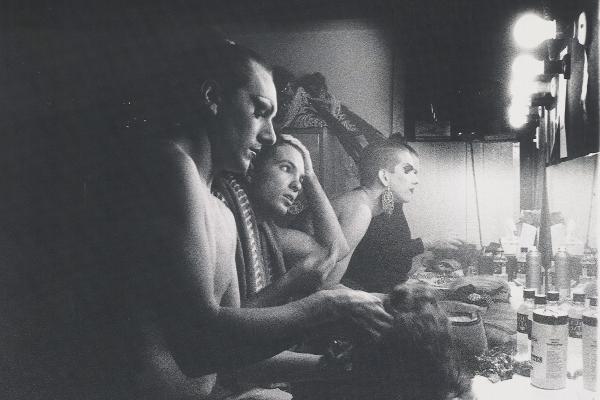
x,y
482,294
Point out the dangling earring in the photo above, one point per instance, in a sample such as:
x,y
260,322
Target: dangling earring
x,y
387,201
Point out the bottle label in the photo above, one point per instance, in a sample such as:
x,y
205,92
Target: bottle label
x,y
575,328
522,326
590,353
549,355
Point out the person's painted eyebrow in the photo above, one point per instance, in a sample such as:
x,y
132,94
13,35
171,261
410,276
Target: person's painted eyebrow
x,y
263,103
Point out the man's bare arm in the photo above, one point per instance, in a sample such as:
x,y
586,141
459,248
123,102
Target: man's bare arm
x,y
304,276
354,220
290,366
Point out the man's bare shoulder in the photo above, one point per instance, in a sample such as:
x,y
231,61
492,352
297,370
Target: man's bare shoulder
x,y
169,167
182,167
165,155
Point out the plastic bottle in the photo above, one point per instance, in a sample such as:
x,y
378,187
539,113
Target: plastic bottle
x,y
500,261
539,302
534,269
563,273
552,299
574,358
588,266
589,344
521,266
549,340
523,325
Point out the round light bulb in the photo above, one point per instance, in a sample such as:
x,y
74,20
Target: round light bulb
x,y
530,30
525,67
581,28
524,89
517,115
519,89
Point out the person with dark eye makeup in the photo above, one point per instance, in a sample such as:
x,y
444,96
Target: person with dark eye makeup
x,y
383,258
388,175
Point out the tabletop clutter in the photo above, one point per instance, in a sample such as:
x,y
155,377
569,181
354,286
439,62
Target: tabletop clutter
x,y
512,315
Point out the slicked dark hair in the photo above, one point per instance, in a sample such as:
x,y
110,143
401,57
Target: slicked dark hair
x,y
229,64
165,92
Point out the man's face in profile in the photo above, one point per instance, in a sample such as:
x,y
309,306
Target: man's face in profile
x,y
246,120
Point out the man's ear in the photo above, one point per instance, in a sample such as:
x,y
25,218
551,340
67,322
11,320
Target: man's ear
x,y
383,177
211,95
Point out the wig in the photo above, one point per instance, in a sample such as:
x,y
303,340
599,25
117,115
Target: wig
x,y
414,360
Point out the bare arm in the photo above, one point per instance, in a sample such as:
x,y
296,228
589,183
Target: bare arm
x,y
203,334
304,276
325,224
354,220
289,366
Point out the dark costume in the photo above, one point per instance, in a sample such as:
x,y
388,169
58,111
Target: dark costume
x,y
384,256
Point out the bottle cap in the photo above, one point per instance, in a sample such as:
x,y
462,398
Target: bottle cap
x,y
552,295
593,301
529,293
540,299
579,297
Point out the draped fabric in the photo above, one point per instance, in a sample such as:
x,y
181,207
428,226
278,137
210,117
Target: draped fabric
x,y
322,109
259,259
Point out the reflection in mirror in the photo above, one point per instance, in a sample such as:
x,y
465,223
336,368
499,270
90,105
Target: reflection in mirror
x,y
445,200
573,204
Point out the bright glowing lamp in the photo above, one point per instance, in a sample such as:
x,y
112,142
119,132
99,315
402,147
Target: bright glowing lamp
x,y
525,67
521,90
530,30
518,114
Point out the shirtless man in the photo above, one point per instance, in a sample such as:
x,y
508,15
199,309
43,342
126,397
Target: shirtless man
x,y
181,250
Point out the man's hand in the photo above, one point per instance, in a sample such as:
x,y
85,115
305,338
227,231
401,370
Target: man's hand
x,y
308,167
362,309
450,243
